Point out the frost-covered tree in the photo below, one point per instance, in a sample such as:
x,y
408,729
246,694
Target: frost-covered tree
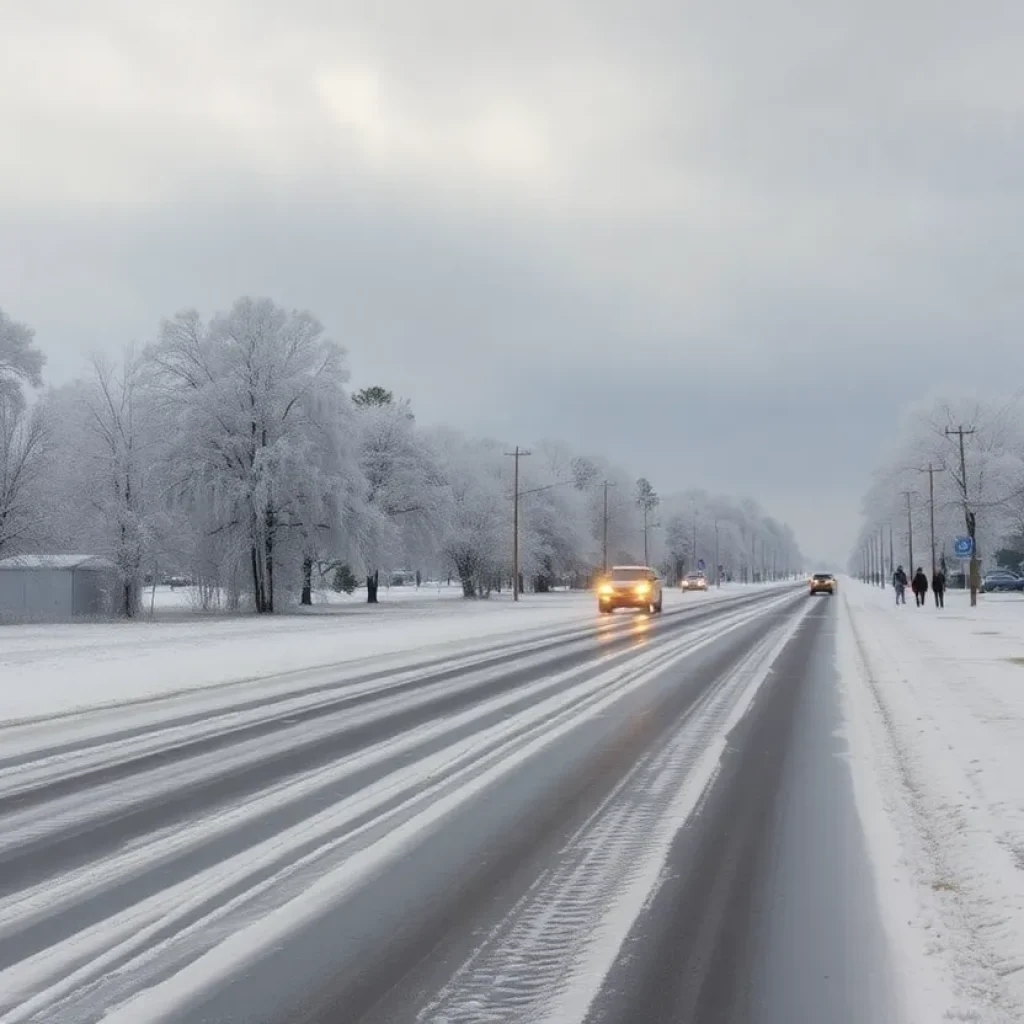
x,y
21,363
23,438
556,539
475,518
258,399
647,501
101,484
24,445
403,484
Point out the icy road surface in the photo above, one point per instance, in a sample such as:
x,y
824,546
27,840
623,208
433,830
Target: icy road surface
x,y
625,819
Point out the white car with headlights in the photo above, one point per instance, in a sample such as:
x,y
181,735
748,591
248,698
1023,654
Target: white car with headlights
x,y
630,586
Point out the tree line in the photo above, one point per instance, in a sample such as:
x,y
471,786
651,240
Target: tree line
x,y
231,450
968,485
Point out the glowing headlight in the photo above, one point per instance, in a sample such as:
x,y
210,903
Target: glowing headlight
x,y
606,590
643,588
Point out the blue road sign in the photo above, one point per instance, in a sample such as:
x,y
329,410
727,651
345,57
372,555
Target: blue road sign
x,y
963,547
700,563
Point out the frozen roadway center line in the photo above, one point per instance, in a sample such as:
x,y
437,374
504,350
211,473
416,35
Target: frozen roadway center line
x,y
500,837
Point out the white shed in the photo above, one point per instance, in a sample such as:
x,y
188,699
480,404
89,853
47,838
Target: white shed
x,y
56,588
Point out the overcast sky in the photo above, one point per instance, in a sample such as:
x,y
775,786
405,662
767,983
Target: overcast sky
x,y
720,242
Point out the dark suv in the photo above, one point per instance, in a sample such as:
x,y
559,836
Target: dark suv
x,y
630,586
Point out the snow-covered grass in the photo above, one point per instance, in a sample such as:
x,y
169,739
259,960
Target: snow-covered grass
x,y
935,714
166,602
51,669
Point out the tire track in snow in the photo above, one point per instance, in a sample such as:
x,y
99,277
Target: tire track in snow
x,y
538,964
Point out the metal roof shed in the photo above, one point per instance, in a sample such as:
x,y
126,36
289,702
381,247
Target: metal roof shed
x,y
56,588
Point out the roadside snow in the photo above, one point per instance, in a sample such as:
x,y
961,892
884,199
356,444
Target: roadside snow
x,y
53,669
934,702
49,669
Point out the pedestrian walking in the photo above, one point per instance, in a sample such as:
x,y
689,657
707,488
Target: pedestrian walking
x,y
939,588
899,584
920,586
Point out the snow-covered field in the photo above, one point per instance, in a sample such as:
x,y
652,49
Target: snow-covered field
x,y
935,708
167,601
46,670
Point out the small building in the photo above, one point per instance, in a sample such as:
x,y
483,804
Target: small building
x,y
56,588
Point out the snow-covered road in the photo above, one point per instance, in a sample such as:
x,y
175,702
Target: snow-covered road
x,y
498,834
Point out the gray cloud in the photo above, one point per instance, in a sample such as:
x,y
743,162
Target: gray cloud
x,y
767,226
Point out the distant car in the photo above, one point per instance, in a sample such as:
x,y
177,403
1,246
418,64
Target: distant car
x,y
823,583
694,581
630,586
1001,580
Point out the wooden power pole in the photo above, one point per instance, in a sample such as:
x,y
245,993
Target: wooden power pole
x,y
910,537
969,517
517,455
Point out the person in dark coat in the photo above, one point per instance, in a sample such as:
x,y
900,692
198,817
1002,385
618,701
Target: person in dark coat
x,y
939,588
919,585
899,584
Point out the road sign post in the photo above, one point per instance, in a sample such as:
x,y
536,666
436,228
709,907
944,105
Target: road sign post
x,y
963,550
963,547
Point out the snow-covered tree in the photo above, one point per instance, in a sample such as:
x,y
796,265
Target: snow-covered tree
x,y
21,363
258,397
23,437
24,445
403,483
475,522
556,539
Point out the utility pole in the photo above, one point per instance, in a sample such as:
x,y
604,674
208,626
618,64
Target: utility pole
x,y
718,563
604,545
910,536
881,557
892,564
931,471
517,455
969,516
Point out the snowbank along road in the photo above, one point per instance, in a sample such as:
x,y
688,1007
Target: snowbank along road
x,y
643,818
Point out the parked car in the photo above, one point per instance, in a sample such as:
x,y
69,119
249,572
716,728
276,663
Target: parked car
x,y
996,580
